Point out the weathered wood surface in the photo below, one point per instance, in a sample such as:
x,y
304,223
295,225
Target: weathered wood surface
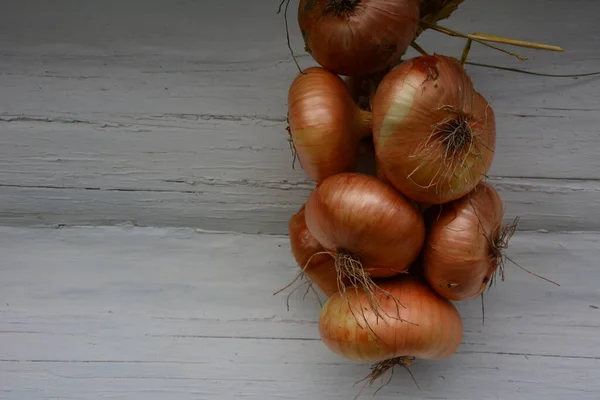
x,y
266,206
173,113
148,313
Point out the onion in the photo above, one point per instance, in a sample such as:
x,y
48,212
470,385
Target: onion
x,y
369,229
325,124
434,134
465,244
360,217
316,264
357,37
427,326
462,249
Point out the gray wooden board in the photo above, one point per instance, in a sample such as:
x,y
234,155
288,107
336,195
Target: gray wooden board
x,y
151,313
266,206
167,101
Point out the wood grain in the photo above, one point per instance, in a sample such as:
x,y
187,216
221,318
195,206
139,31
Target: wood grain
x,y
165,101
136,313
260,206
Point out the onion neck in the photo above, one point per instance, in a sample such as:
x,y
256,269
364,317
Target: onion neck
x,y
364,121
341,7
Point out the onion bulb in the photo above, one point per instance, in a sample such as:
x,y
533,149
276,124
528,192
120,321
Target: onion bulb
x,y
434,134
426,326
361,217
369,229
325,124
315,263
357,37
462,250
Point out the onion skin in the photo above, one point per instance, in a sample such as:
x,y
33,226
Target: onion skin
x,y
458,257
434,135
365,217
321,270
357,37
431,327
325,124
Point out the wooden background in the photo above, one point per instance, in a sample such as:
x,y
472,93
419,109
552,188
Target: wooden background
x,y
161,113
166,118
171,314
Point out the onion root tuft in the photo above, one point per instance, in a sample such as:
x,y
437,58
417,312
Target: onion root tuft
x,y
350,268
499,246
455,138
378,370
305,281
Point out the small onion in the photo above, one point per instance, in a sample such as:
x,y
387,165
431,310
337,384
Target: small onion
x,y
326,126
434,134
357,37
462,249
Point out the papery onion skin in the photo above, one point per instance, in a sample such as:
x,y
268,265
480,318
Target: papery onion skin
x,y
368,219
434,134
458,257
325,124
427,327
379,174
357,37
321,269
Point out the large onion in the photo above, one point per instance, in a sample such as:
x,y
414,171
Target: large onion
x,y
434,134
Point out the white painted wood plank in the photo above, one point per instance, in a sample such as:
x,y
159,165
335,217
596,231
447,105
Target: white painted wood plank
x,y
143,313
152,95
261,206
243,374
149,151
123,101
